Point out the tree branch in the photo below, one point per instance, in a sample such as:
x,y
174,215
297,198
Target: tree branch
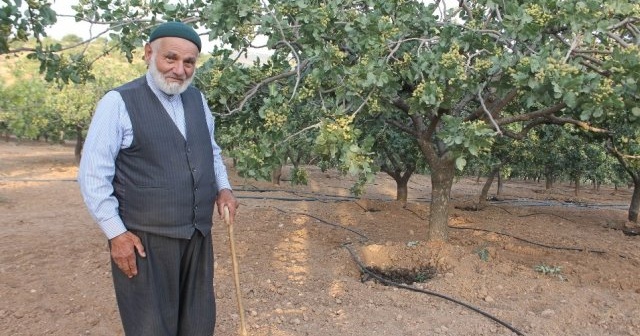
x,y
266,81
541,113
583,125
487,112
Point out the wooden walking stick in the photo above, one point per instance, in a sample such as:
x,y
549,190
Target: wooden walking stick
x,y
236,276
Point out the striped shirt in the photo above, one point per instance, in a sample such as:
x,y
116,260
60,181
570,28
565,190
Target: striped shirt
x,y
110,131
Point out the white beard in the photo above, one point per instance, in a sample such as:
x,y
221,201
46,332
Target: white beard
x,y
170,88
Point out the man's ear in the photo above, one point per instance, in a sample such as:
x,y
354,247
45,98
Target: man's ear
x,y
147,53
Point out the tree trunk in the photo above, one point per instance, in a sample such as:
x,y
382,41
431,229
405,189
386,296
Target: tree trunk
x,y
487,185
442,175
576,188
77,151
548,182
402,190
402,181
500,184
634,207
276,174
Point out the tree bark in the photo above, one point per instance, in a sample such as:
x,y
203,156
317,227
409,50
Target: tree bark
x,y
634,207
276,174
548,181
402,191
484,193
402,181
77,151
442,175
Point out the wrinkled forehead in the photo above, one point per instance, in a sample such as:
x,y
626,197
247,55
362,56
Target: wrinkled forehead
x,y
175,46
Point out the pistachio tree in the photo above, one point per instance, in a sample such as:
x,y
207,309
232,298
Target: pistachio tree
x,y
456,77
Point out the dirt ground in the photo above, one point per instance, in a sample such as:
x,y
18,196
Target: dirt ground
x,y
296,272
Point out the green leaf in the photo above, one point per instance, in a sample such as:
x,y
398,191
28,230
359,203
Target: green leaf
x,y
473,150
460,163
570,99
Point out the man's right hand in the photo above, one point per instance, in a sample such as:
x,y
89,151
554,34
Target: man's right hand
x,y
123,252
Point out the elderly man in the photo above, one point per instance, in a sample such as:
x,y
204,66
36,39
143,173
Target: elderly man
x,y
150,174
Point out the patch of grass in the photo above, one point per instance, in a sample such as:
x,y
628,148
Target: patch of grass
x,y
555,271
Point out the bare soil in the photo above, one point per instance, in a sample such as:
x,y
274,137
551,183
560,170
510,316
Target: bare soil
x,y
296,272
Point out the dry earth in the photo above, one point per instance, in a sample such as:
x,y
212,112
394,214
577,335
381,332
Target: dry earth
x,y
297,278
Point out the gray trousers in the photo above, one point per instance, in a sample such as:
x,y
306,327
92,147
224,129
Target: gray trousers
x,y
172,295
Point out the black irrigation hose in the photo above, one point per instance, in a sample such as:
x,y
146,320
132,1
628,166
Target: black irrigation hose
x,y
392,283
278,198
325,197
525,240
364,238
529,241
545,213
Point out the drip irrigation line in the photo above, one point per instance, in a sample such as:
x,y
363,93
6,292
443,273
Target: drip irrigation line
x,y
545,213
328,198
323,197
411,288
364,237
505,210
413,212
526,240
289,199
529,241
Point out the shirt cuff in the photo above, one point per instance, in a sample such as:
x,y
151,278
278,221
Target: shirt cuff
x,y
113,227
223,186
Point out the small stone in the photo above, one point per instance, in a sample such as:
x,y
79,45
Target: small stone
x,y
252,312
548,313
488,299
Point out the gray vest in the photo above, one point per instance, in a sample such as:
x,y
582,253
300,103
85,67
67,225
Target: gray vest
x,y
165,184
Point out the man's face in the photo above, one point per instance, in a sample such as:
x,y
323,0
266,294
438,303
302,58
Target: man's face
x,y
172,63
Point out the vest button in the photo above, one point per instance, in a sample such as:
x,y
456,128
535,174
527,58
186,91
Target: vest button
x,y
193,170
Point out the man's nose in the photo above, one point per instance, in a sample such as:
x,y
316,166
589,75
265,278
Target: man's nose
x,y
179,69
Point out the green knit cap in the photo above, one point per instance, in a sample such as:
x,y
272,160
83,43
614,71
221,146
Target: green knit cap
x,y
176,29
